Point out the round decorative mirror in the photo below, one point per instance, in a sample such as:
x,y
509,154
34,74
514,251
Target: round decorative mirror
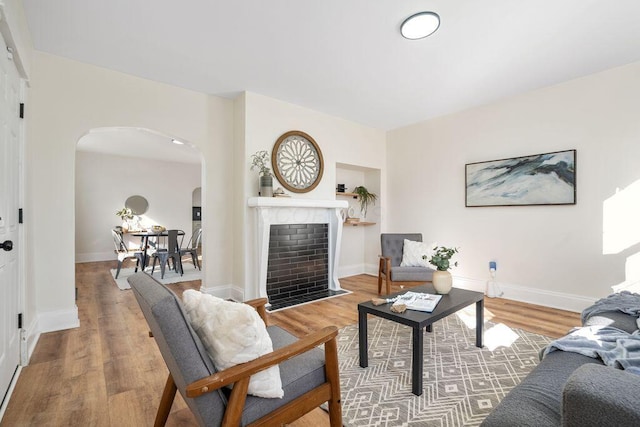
x,y
137,204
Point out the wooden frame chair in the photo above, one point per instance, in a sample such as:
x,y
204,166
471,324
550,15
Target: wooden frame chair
x,y
309,375
389,268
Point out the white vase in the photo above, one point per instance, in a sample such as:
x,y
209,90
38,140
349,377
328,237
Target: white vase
x,y
442,281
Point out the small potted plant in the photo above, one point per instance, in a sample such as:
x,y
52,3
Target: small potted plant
x,y
260,161
365,198
441,259
125,215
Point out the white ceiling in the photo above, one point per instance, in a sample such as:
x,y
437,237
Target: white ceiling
x,y
135,142
346,57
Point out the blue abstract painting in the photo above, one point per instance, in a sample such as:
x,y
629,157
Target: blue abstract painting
x,y
541,179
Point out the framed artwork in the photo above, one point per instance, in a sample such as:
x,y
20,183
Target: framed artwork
x,y
540,179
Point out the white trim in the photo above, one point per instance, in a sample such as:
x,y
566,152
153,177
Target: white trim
x,y
58,320
350,270
225,292
33,336
552,299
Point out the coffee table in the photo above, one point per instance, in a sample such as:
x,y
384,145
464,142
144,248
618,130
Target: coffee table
x,y
455,300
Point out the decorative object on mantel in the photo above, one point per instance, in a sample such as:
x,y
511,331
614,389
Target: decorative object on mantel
x,y
541,179
259,161
441,259
297,161
279,192
340,188
365,198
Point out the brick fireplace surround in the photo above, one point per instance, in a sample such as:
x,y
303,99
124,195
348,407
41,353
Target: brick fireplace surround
x,y
298,248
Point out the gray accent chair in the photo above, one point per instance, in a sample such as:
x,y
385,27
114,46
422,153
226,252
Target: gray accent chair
x,y
309,375
389,268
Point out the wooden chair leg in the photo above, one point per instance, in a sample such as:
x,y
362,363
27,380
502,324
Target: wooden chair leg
x,y
388,285
379,283
165,402
332,373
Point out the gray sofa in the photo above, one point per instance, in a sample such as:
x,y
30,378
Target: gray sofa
x,y
569,389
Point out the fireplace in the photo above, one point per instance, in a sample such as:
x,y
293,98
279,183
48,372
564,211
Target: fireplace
x,y
297,247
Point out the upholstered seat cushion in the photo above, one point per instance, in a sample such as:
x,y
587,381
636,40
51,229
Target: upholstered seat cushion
x,y
411,274
299,375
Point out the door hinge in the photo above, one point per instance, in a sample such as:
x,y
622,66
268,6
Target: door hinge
x,y
22,110
20,216
19,320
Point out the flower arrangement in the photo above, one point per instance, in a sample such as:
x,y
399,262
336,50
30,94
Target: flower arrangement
x,y
260,161
125,214
441,258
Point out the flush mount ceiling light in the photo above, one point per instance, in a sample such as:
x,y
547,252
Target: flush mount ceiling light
x,y
420,25
175,141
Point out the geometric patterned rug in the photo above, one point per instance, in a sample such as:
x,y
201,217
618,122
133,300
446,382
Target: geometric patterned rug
x,y
462,383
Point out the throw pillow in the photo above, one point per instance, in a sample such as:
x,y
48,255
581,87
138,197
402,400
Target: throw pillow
x,y
233,333
412,253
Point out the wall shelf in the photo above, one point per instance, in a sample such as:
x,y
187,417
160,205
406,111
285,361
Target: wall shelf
x,y
354,195
358,224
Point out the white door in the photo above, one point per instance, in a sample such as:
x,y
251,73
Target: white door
x,y
10,143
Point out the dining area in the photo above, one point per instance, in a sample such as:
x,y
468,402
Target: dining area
x,y
163,252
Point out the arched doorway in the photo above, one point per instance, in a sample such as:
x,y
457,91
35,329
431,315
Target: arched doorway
x,y
113,164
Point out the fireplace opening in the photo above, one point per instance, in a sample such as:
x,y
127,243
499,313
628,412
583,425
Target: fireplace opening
x,y
298,264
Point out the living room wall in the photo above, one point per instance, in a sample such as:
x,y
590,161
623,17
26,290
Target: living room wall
x,y
550,255
69,98
341,141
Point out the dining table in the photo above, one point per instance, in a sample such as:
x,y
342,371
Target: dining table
x,y
145,235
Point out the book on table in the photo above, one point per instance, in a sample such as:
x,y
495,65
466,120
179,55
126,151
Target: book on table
x,y
418,301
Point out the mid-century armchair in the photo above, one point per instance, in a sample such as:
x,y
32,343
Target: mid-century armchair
x,y
309,375
389,269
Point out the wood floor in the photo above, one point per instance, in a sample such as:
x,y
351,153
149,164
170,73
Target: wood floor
x,y
108,372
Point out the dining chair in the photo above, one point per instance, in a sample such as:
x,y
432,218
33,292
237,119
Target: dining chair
x,y
192,247
125,253
171,252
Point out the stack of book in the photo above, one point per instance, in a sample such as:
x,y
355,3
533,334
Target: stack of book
x,y
418,301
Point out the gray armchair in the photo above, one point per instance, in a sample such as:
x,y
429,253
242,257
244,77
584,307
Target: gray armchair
x,y
390,270
309,375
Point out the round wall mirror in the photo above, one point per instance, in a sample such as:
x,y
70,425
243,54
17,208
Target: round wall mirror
x,y
137,204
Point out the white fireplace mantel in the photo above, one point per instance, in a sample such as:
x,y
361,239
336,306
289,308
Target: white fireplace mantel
x,y
288,210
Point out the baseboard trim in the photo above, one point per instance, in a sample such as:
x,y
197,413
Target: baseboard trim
x,y
552,299
355,269
225,292
58,320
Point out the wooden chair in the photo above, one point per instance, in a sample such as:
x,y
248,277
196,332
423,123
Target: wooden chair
x,y
389,268
309,375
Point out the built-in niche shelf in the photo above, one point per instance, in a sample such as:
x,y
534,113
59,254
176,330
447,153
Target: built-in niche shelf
x,y
358,224
354,195
354,224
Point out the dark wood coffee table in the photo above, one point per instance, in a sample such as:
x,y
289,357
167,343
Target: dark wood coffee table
x,y
455,300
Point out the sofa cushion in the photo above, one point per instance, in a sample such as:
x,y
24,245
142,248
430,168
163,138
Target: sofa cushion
x,y
615,319
536,401
233,333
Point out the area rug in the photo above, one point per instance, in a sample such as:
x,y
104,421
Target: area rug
x,y
462,383
170,276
